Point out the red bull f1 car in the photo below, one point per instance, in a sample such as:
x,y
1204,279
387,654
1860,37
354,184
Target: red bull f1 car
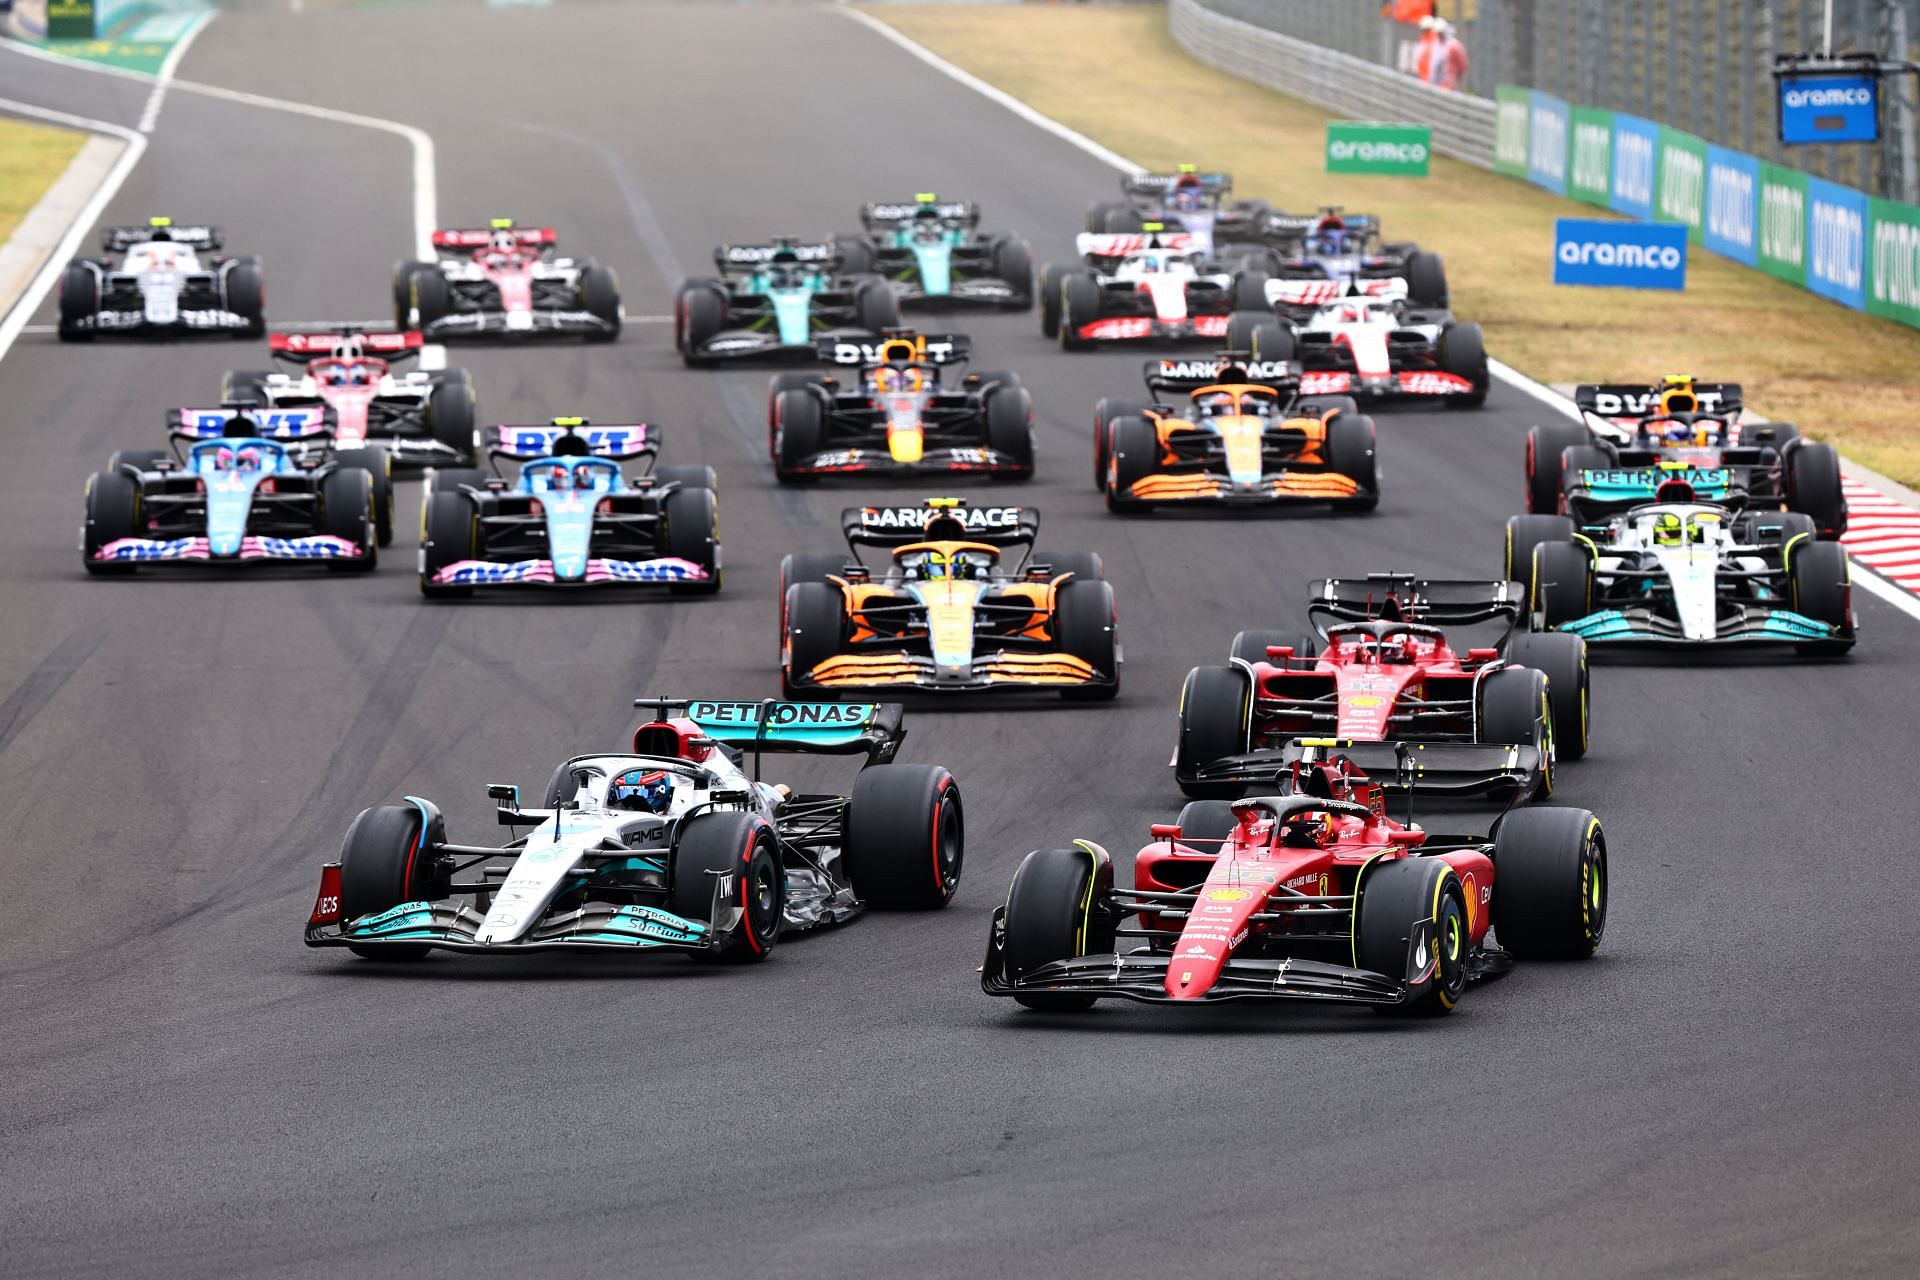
x,y
673,846
1245,436
906,413
166,281
422,417
503,281
1311,893
931,253
963,604
1679,441
1382,667
567,515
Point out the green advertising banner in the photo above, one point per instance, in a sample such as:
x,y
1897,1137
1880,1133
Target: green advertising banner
x,y
1680,182
69,19
1357,147
1511,127
1590,171
1783,223
1893,261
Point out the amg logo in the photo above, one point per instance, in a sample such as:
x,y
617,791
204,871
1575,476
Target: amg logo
x,y
972,518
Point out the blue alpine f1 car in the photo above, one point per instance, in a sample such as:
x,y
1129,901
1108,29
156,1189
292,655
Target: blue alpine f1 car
x,y
567,515
931,253
776,301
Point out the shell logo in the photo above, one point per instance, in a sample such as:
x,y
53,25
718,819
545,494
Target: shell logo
x,y
1365,701
1471,893
1228,895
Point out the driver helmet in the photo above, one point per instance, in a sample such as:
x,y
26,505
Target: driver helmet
x,y
559,476
893,378
504,242
1330,237
926,220
1186,194
641,791
1669,530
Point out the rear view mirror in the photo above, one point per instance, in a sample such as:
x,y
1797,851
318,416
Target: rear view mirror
x,y
1165,830
505,792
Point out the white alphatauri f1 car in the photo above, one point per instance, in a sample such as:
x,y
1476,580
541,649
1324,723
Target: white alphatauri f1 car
x,y
162,285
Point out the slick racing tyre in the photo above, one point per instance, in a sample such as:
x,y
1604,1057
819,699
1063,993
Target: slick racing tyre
x,y
1546,446
387,859
1079,305
816,630
1214,705
347,511
1427,280
138,459
1569,688
452,416
1560,582
807,566
1100,211
1418,903
447,536
1083,565
1250,290
711,845
785,382
799,433
1241,327
600,297
450,479
693,533
1819,578
904,838
403,273
1055,911
876,305
856,255
1813,487
1252,646
1549,883
1352,452
699,314
246,294
689,475
1008,412
1084,615
432,297
1105,414
1049,288
1013,263
1524,533
378,464
248,385
1206,824
1773,528
1136,453
113,512
79,301
1274,340
1514,707
1463,353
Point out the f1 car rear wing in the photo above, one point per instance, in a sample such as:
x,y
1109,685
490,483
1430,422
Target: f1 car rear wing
x,y
1608,400
872,729
1424,601
1512,772
885,216
897,344
270,424
1153,184
1188,375
1297,225
1117,245
481,237
346,343
575,437
120,239
899,526
751,257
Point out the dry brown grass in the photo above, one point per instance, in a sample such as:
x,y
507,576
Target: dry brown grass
x,y
31,157
1841,375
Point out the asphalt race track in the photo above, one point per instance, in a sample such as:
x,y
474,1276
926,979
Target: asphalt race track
x,y
186,1090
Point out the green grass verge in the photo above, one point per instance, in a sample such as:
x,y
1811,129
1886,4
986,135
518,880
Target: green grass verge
x,y
1114,74
32,157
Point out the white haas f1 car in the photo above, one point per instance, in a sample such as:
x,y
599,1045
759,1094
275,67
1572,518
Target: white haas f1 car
x,y
1154,286
1368,341
1186,200
424,417
673,846
162,285
501,281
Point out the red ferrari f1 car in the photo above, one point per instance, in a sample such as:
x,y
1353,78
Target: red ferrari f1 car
x,y
1311,894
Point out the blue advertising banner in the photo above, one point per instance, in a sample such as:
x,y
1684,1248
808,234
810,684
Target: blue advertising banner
x,y
1622,255
1733,205
1547,142
1829,108
1635,144
1837,242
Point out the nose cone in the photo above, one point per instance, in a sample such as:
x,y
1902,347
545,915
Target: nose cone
x,y
906,444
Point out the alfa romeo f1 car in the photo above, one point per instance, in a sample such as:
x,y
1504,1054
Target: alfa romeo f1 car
x,y
931,253
1245,437
670,847
568,516
1311,894
1680,440
502,281
424,417
162,285
1151,286
905,414
1333,254
778,301
1189,200
963,604
1491,718
238,497
1687,574
1376,345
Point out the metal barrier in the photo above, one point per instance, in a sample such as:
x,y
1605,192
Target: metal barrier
x,y
1463,125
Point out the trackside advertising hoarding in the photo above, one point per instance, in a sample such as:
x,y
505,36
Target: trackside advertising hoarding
x,y
1511,113
1837,242
1680,189
1356,147
1733,202
1636,147
1893,261
1547,123
1590,156
1624,255
1783,223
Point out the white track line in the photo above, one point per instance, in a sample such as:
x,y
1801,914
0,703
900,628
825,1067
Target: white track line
x,y
151,114
425,190
1888,591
